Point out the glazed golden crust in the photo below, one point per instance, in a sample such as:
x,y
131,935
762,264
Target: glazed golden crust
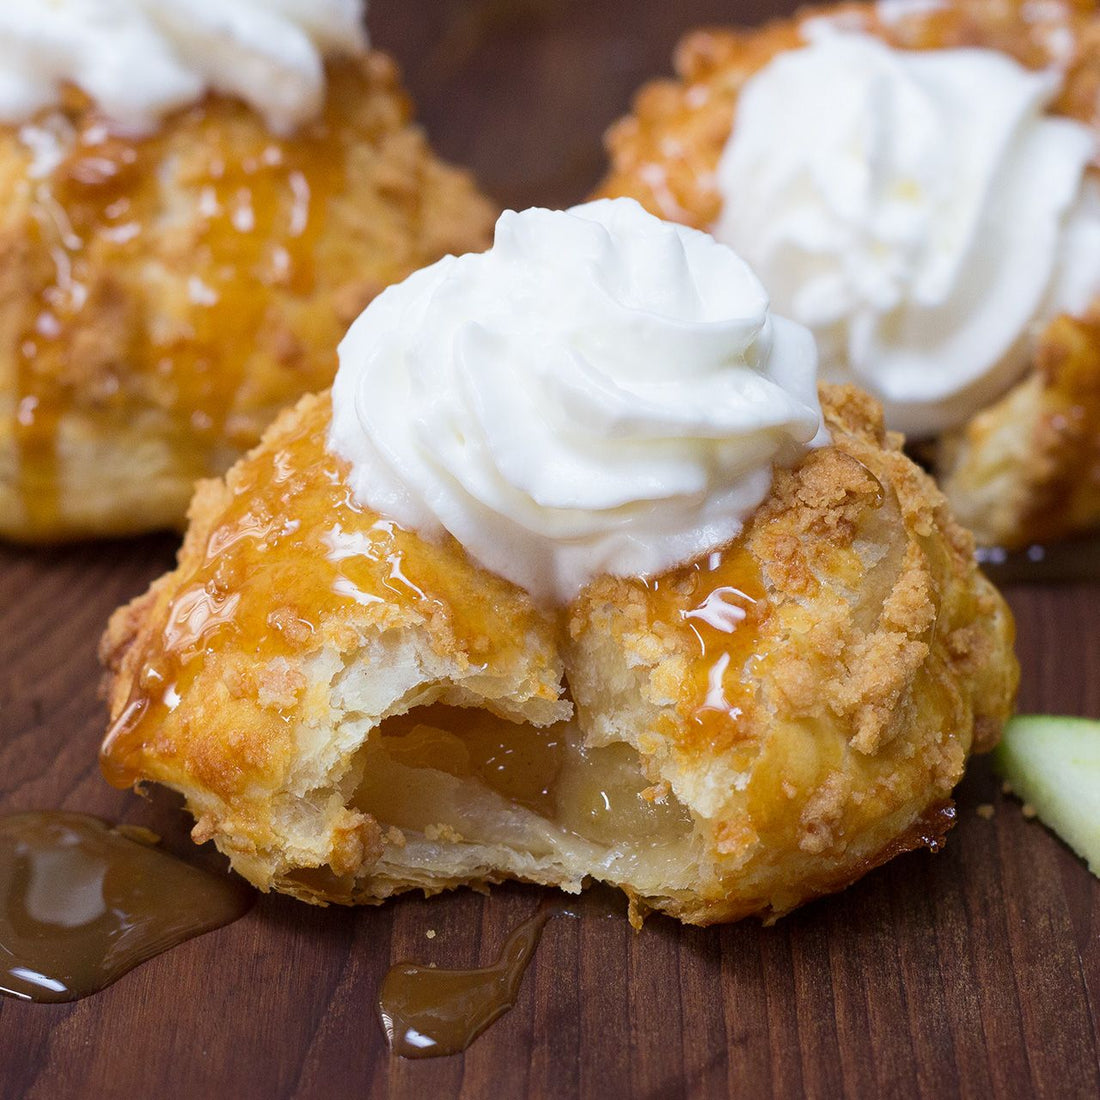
x,y
1014,474
284,597
161,299
777,749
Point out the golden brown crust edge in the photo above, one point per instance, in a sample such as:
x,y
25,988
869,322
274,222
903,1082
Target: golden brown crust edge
x,y
887,659
1027,468
249,747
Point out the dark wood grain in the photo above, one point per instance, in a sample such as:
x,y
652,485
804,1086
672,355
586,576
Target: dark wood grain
x,y
975,972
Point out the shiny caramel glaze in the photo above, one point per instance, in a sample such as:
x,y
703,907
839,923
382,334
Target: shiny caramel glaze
x,y
718,604
82,903
291,560
710,620
251,594
190,283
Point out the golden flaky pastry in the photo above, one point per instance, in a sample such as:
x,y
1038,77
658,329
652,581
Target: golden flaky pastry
x,y
1028,467
162,298
351,711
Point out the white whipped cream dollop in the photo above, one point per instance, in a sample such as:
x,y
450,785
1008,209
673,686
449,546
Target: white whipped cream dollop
x,y
601,392
140,59
917,210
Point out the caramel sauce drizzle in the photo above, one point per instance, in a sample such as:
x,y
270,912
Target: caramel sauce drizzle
x,y
150,297
718,604
82,904
248,590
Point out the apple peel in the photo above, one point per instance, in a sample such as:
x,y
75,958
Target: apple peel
x,y
1053,763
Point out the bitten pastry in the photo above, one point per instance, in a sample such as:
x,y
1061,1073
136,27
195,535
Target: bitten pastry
x,y
570,578
195,201
918,183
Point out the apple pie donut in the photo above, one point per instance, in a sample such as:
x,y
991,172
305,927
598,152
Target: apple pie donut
x,y
352,710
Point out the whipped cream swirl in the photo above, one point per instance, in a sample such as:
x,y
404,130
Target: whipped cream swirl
x,y
601,392
917,210
140,59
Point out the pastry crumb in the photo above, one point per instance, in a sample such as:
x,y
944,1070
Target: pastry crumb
x,y
430,934
1006,787
657,793
1029,811
985,811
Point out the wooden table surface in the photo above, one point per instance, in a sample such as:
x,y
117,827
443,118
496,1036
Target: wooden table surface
x,y
975,972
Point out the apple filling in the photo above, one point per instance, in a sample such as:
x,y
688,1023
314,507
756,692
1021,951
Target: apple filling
x,y
470,789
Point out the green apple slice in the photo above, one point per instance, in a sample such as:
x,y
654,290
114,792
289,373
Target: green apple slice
x,y
1053,763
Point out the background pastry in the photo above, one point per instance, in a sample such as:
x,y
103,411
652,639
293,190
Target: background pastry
x,y
727,679
197,200
919,184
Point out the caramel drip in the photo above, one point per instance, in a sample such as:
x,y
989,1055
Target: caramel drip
x,y
718,604
81,904
429,1012
154,266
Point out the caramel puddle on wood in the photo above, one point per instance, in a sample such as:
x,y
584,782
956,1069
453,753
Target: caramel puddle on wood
x,y
82,903
429,1012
